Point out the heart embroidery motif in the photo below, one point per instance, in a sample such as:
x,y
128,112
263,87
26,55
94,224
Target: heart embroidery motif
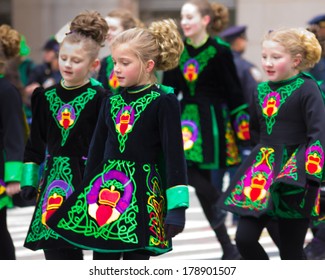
x,y
103,213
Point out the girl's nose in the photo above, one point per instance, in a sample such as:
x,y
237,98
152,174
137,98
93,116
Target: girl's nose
x,y
67,63
269,62
116,69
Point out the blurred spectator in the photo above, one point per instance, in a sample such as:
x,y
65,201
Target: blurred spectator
x,y
47,73
248,73
317,26
118,21
26,63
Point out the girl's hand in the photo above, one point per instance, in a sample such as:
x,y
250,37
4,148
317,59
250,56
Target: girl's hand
x,y
12,188
172,230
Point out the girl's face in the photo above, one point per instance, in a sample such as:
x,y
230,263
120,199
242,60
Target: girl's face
x,y
128,69
115,28
277,63
75,64
192,22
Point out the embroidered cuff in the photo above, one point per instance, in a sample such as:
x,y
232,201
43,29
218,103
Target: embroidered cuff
x,y
30,177
177,196
13,171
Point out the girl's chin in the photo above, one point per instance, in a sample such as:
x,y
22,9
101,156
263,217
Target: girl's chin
x,y
272,78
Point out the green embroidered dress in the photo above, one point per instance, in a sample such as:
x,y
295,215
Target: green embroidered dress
x,y
128,187
63,123
214,116
282,175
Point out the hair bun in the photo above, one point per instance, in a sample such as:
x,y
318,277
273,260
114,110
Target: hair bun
x,y
90,24
9,41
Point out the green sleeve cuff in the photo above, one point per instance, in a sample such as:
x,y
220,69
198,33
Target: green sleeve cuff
x,y
177,197
30,177
13,171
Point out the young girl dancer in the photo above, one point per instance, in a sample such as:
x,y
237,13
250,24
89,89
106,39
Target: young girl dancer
x,y
282,176
64,118
212,105
135,193
12,137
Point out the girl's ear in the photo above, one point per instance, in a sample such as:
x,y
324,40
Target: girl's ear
x,y
95,64
150,65
297,60
206,20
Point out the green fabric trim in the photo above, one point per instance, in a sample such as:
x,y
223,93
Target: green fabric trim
x,y
177,197
31,173
166,89
215,131
24,48
94,82
238,109
13,171
6,201
222,42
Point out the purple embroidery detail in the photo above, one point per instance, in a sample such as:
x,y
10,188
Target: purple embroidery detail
x,y
60,184
124,202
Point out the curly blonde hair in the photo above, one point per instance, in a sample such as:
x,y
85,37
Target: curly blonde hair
x,y
9,44
161,42
298,41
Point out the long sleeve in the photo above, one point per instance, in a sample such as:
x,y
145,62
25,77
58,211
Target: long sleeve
x,y
171,137
12,129
35,147
253,122
175,164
